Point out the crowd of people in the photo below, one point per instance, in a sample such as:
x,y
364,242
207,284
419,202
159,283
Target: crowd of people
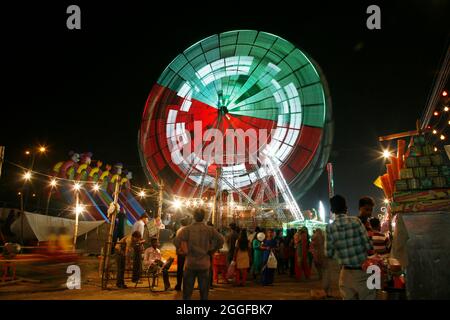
x,y
260,254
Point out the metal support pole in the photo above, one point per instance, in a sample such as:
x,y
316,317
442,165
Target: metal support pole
x,y
107,250
160,204
214,218
330,180
75,230
21,218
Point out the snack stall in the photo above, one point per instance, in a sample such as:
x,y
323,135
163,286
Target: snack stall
x,y
417,185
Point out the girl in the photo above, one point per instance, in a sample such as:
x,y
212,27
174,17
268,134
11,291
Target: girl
x,y
242,258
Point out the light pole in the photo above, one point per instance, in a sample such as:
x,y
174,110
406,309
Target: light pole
x,y
78,211
41,150
112,213
27,177
53,184
22,213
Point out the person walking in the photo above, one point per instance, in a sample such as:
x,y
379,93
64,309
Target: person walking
x,y
181,257
242,258
200,241
347,239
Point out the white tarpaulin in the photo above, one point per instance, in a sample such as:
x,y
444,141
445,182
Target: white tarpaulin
x,y
41,226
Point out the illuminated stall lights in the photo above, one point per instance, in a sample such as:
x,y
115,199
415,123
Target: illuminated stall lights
x,y
386,154
27,176
177,204
79,209
77,186
142,194
53,183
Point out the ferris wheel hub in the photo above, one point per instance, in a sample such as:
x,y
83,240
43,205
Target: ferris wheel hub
x,y
223,110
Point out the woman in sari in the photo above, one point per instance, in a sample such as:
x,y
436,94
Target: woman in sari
x,y
268,245
257,255
302,254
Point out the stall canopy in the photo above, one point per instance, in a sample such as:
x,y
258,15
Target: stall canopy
x,y
40,227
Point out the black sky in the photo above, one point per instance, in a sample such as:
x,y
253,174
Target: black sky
x,y
85,90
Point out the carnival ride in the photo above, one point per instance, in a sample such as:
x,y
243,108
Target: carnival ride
x,y
246,81
96,186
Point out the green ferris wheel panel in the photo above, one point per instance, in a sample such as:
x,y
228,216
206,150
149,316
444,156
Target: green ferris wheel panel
x,y
259,74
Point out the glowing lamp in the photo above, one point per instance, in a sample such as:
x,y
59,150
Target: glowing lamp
x,y
79,209
27,176
386,154
177,204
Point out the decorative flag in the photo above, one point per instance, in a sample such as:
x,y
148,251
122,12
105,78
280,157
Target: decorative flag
x,y
377,183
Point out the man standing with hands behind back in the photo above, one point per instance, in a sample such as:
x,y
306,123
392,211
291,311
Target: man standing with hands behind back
x,y
199,240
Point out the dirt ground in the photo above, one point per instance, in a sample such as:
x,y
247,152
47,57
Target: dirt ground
x,y
53,278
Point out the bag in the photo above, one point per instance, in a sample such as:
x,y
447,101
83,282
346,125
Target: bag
x,y
231,270
272,261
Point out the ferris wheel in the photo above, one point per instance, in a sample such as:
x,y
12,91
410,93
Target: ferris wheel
x,y
260,89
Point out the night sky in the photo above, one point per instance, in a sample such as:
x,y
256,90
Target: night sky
x,y
85,90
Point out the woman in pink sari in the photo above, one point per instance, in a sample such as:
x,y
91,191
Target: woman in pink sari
x,y
301,254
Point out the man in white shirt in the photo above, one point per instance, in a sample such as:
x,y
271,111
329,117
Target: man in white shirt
x,y
139,225
153,260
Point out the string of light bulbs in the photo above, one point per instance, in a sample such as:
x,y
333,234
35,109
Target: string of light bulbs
x,y
77,184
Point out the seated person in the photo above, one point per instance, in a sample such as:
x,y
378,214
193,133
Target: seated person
x,y
153,260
